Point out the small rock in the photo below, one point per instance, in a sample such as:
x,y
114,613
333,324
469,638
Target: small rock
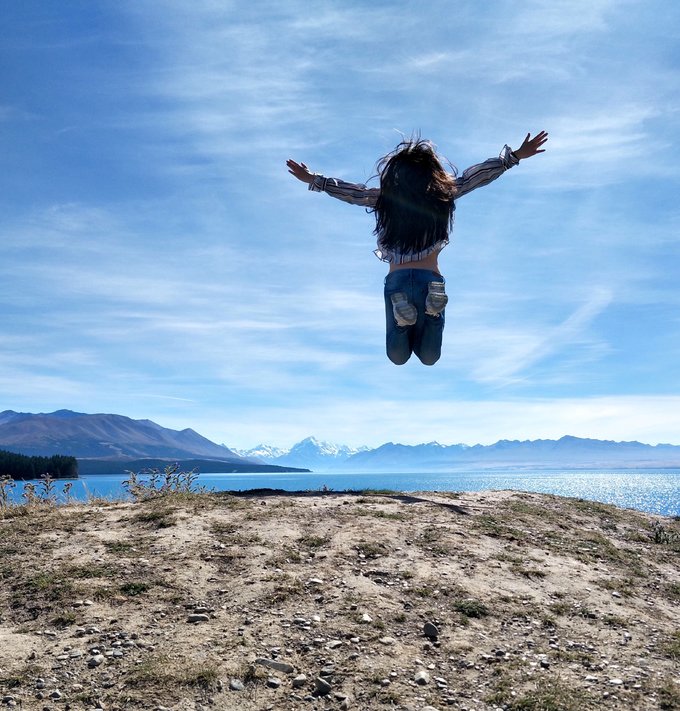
x,y
334,644
198,617
56,695
366,618
387,640
276,664
322,687
273,682
236,685
95,661
422,677
299,681
616,682
430,630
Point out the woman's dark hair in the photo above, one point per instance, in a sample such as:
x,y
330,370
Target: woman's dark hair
x,y
415,208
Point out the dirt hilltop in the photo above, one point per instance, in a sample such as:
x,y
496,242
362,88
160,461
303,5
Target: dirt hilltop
x,y
323,600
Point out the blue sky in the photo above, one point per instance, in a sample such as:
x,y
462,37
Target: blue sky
x,y
157,260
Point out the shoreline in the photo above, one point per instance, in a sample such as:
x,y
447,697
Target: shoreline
x,y
648,491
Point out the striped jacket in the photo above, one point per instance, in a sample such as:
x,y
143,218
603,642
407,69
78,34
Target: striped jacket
x,y
358,194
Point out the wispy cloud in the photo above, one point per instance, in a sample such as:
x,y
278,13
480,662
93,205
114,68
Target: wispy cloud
x,y
504,355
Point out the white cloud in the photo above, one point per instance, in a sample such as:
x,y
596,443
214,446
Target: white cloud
x,y
369,421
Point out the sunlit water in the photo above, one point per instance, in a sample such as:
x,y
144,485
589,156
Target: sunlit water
x,y
655,491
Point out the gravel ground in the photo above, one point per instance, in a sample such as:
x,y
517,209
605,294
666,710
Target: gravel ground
x,y
324,600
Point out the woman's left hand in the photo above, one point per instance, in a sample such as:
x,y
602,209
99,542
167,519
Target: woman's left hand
x,y
300,171
532,146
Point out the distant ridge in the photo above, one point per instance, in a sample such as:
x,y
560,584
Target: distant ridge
x,y
102,436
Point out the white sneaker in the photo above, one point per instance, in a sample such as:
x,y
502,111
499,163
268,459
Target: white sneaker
x,y
405,313
436,299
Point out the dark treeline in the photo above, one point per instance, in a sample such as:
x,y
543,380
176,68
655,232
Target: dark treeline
x,y
19,466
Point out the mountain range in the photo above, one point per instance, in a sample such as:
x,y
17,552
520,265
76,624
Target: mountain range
x,y
566,452
119,438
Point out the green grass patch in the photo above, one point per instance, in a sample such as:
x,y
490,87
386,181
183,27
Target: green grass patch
x,y
669,696
89,572
369,549
52,586
65,619
166,672
494,527
625,586
156,517
469,607
119,547
548,695
671,646
134,588
672,591
527,572
313,542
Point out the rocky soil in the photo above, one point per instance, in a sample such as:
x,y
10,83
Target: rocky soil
x,y
323,600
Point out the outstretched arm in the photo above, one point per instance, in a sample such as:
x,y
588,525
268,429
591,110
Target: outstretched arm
x,y
531,146
484,173
353,193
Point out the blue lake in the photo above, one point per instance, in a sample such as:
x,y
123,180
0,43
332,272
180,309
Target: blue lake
x,y
655,491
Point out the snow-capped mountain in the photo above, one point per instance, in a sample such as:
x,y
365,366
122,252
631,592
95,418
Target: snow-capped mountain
x,y
262,453
309,453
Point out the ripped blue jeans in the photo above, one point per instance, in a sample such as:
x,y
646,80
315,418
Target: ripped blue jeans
x,y
424,338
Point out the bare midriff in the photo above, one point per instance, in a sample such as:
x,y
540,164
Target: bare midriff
x,y
430,262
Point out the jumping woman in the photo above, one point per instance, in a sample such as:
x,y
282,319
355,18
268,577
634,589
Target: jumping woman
x,y
414,208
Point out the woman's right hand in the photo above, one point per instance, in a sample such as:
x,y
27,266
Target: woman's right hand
x,y
531,146
300,171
